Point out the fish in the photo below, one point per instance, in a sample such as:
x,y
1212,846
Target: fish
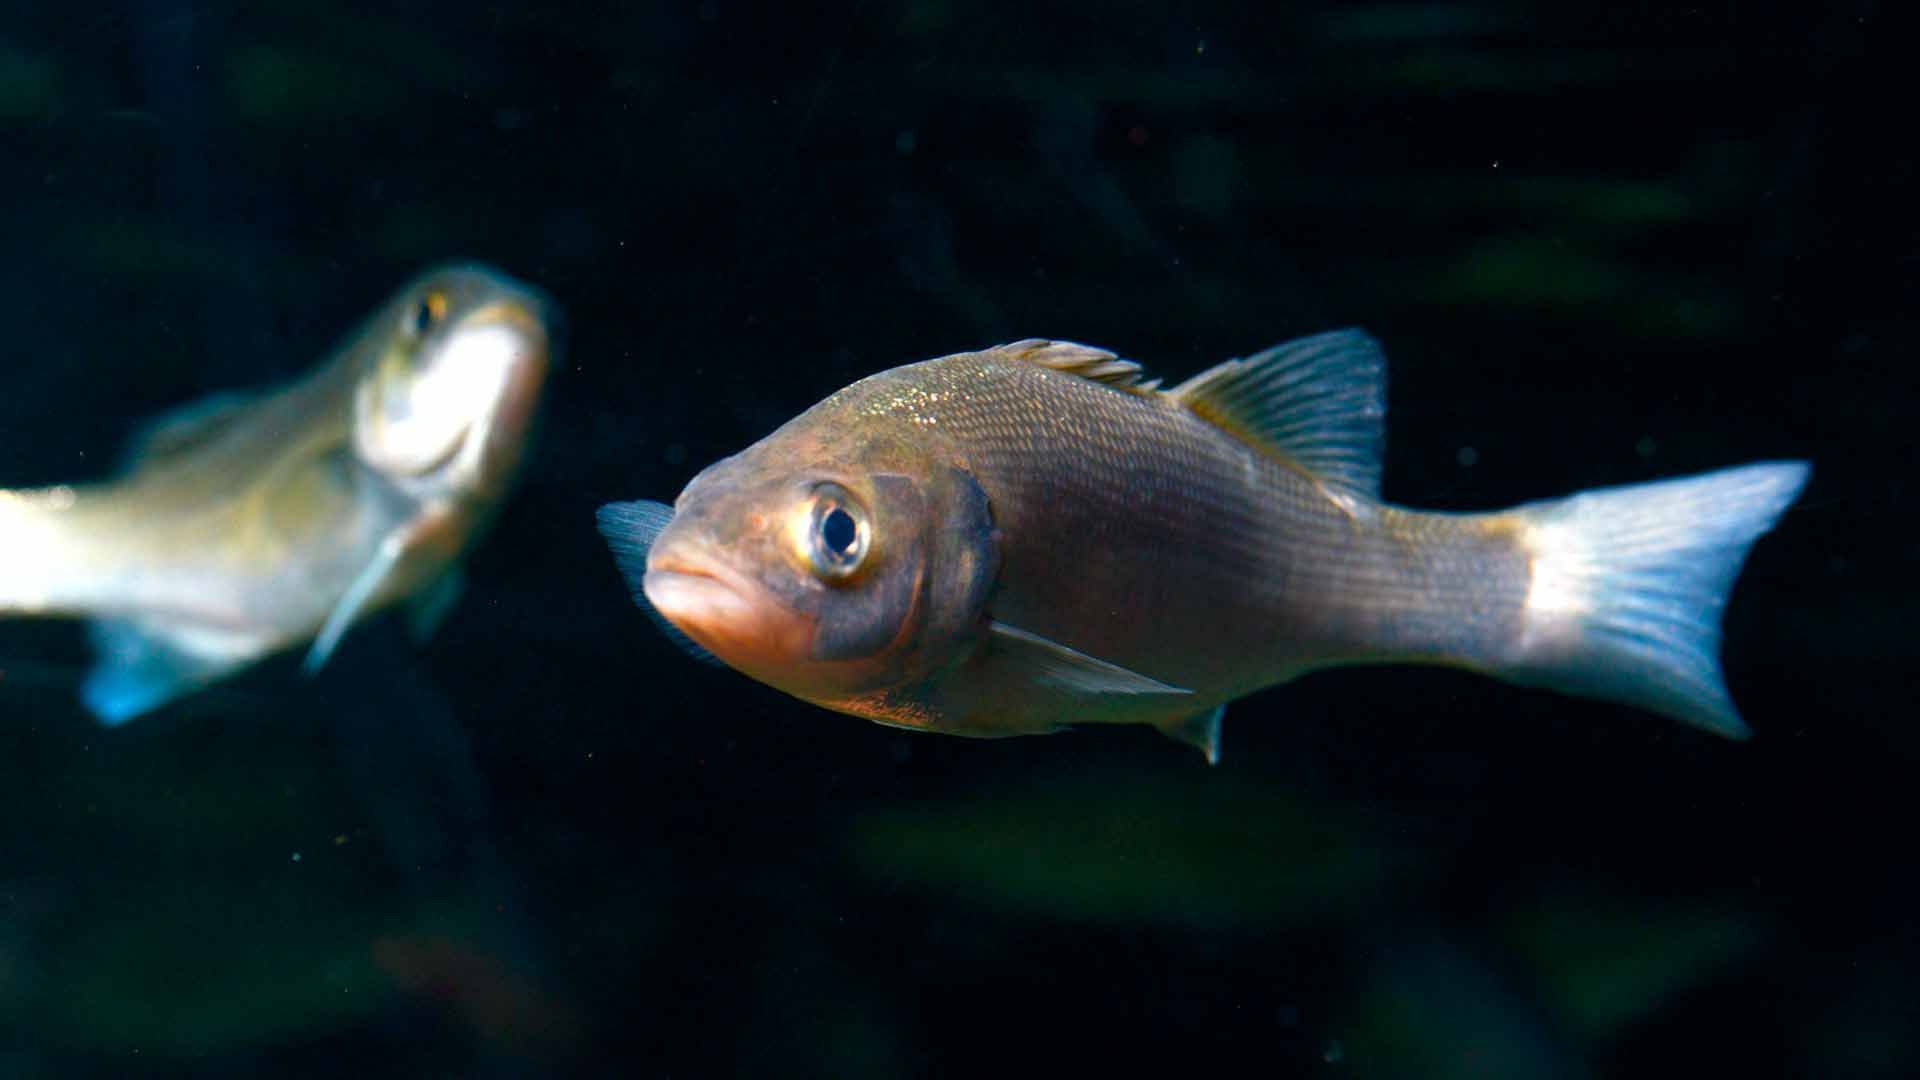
x,y
1038,535
254,522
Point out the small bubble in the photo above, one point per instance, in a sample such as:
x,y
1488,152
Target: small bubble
x,y
1646,446
904,142
1467,457
296,856
1334,1054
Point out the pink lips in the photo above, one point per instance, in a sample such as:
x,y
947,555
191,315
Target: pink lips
x,y
695,602
728,614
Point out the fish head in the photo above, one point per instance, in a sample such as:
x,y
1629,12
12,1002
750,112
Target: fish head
x,y
834,561
450,376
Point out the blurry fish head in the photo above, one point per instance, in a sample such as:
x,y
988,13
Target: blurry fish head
x,y
451,375
839,560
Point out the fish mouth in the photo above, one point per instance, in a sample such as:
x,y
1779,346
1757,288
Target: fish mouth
x,y
693,598
726,613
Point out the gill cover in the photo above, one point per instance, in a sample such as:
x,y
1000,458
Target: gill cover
x,y
919,597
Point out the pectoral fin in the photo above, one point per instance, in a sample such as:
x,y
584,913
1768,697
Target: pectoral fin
x,y
141,668
1051,664
1020,683
353,603
630,529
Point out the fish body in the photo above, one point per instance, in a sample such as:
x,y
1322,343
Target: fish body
x,y
1026,537
251,523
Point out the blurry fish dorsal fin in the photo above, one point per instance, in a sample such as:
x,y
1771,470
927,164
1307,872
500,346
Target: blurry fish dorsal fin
x,y
1049,663
630,529
143,665
1087,362
1320,401
186,428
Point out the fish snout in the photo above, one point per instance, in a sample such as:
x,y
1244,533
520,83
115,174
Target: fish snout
x,y
725,611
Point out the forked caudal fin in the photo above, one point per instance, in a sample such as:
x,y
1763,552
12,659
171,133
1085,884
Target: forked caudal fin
x,y
1628,585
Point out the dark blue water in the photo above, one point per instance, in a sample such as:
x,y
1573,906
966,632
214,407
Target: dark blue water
x,y
1599,247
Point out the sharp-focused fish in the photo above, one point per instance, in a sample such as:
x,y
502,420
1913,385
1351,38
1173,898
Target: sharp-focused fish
x,y
248,524
1014,540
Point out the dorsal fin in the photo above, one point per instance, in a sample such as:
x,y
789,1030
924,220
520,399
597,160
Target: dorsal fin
x,y
182,429
1320,400
1085,361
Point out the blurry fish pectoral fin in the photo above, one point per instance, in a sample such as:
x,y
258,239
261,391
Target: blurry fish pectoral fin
x,y
141,668
1049,663
354,601
1320,400
431,606
630,529
184,429
1628,584
1200,731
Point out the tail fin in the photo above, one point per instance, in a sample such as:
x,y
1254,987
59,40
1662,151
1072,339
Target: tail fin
x,y
1628,585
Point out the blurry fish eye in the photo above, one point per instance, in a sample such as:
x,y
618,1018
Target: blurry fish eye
x,y
430,310
837,534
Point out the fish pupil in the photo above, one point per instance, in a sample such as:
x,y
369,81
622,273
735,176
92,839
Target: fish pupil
x,y
838,531
422,317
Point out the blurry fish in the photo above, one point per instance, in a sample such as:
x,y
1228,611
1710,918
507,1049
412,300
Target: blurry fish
x,y
502,1005
1035,535
247,524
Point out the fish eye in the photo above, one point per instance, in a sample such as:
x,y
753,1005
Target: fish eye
x,y
837,534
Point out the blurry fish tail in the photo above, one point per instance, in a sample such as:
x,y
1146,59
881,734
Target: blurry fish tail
x,y
33,546
1628,585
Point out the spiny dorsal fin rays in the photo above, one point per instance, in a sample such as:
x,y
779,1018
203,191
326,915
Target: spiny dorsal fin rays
x,y
1085,361
1320,400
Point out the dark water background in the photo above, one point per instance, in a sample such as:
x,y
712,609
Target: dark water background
x,y
1602,243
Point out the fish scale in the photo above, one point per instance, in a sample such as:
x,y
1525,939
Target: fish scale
x,y
1223,542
